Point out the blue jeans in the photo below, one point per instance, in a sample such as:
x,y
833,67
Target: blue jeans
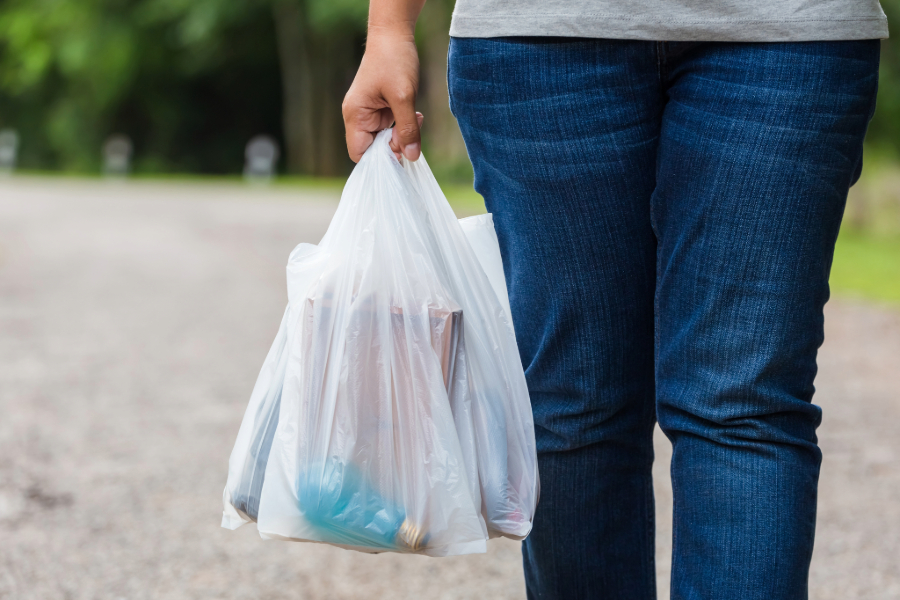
x,y
667,214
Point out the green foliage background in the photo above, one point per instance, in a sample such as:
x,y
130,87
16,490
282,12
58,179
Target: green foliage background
x,y
884,130
190,81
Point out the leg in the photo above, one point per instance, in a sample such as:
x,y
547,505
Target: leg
x,y
759,145
563,138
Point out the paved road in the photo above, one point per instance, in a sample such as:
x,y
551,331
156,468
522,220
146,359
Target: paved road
x,y
134,318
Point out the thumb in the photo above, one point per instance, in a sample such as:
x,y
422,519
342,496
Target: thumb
x,y
406,134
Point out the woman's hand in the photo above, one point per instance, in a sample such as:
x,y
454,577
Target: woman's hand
x,y
385,88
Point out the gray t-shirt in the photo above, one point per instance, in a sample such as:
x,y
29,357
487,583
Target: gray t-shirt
x,y
673,20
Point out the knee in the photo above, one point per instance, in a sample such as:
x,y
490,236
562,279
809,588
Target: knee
x,y
740,408
620,421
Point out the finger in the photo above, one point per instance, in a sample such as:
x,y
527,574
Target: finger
x,y
361,124
387,119
395,137
406,127
358,142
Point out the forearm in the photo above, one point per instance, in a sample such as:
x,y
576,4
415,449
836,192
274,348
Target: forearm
x,y
386,85
394,18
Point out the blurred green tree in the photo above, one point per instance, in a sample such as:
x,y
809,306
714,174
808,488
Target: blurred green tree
x,y
73,45
320,43
884,131
442,140
190,80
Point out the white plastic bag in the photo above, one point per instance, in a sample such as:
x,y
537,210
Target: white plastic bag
x,y
391,413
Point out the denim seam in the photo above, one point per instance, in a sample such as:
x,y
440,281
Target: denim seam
x,y
675,555
662,74
659,58
650,520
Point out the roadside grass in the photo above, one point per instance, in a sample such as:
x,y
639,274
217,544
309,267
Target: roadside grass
x,y
867,266
464,200
867,256
462,197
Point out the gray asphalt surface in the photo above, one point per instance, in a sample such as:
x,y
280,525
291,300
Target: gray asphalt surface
x,y
133,320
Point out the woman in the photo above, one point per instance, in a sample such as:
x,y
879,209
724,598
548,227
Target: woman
x,y
667,181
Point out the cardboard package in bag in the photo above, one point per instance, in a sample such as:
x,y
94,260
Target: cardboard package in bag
x,y
391,413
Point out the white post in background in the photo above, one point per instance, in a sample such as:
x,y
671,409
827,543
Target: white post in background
x,y
261,157
117,156
9,151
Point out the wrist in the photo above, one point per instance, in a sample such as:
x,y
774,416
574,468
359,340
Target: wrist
x,y
401,31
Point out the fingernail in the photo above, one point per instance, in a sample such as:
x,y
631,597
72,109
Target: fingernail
x,y
411,151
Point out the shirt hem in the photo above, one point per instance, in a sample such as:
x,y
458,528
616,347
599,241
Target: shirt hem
x,y
638,28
